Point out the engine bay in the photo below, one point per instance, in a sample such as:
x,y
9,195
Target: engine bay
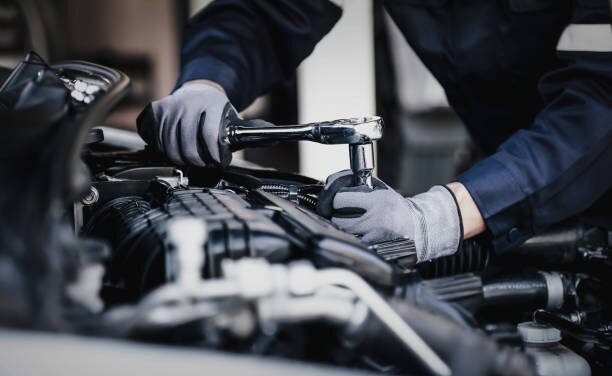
x,y
105,241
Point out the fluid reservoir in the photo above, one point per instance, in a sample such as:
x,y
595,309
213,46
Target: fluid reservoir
x,y
542,342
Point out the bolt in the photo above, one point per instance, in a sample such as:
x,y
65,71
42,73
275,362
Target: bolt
x,y
80,86
77,95
91,198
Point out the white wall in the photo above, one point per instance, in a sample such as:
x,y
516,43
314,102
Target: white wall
x,y
337,81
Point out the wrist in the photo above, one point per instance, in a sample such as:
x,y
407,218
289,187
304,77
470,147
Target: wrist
x,y
204,82
473,222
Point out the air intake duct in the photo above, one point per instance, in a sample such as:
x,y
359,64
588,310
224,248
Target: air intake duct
x,y
472,257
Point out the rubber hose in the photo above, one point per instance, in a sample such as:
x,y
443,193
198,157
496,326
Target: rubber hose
x,y
519,292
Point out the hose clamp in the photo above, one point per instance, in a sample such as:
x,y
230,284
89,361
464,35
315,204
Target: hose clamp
x,y
554,285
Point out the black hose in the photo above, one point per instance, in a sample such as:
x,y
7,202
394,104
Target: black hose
x,y
510,293
518,292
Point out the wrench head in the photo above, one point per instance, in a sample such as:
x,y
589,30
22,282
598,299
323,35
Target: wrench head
x,y
360,130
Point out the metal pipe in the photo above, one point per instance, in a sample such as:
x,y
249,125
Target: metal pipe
x,y
413,342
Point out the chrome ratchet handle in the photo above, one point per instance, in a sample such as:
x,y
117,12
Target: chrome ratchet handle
x,y
358,133
244,133
243,136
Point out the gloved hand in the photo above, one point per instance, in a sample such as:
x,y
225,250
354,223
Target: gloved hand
x,y
432,219
185,125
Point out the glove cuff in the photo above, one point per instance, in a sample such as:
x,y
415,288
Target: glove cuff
x,y
200,85
437,223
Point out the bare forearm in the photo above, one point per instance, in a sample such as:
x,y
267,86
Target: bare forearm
x,y
473,223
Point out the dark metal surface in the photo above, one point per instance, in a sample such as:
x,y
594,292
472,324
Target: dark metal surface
x,y
329,245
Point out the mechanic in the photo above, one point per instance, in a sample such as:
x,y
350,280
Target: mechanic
x,y
531,80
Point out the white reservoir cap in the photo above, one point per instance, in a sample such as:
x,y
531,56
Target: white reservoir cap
x,y
538,333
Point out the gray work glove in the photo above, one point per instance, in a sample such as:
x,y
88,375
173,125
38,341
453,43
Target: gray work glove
x,y
186,125
432,219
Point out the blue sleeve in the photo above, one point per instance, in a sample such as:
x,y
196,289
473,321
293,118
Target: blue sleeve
x,y
563,163
248,46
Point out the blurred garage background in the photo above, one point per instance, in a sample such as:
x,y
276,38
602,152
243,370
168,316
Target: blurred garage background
x,y
353,72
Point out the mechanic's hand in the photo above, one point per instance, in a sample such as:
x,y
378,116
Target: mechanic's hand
x,y
431,219
185,125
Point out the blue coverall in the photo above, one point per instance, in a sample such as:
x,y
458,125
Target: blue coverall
x,y
534,93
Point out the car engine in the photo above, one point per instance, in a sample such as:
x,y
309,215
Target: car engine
x,y
105,241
